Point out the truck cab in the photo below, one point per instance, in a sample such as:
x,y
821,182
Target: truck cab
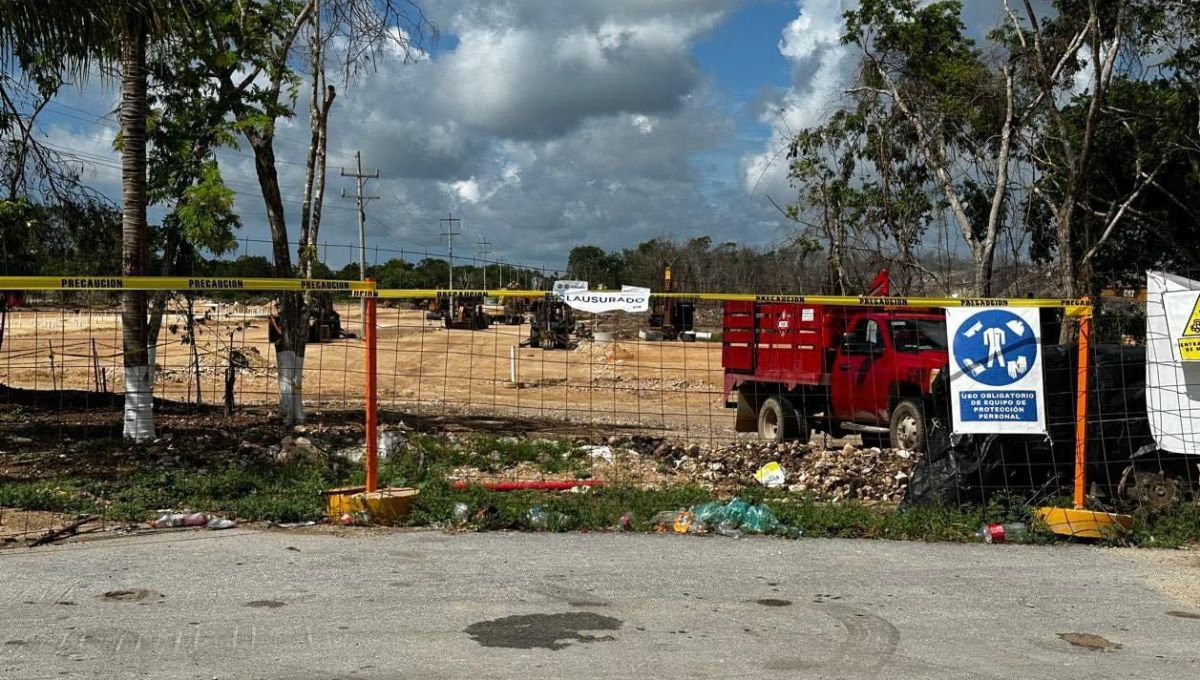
x,y
880,376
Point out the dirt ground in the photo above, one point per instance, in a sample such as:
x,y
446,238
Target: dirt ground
x,y
667,387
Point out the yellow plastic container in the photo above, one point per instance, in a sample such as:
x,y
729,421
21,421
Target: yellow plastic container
x,y
383,506
1084,523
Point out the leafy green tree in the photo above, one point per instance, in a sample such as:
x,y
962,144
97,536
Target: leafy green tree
x,y
923,78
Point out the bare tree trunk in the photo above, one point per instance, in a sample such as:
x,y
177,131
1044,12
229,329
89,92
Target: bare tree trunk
x,y
289,345
158,302
139,394
314,173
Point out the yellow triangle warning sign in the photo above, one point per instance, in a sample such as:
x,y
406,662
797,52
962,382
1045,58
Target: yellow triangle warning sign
x,y
1189,341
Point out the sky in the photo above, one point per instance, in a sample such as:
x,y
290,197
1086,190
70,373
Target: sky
x,y
547,124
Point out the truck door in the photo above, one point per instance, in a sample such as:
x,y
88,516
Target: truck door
x,y
860,373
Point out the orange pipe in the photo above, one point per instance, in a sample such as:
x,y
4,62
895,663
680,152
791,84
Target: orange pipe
x,y
371,406
1081,409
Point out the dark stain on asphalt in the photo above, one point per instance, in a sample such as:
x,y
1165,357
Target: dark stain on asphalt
x,y
772,602
546,631
268,604
130,595
1090,641
1183,615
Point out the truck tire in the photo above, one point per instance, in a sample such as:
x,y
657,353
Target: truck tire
x,y
778,421
908,426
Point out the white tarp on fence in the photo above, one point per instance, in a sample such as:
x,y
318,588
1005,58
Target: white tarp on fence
x,y
1172,386
996,384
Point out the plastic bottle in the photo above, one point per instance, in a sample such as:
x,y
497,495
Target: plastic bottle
x,y
461,512
180,519
1013,532
536,518
664,521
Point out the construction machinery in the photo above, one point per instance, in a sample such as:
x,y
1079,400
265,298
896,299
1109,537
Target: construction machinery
x,y
464,312
671,317
324,323
506,310
551,324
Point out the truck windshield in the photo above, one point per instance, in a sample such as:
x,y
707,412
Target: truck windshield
x,y
915,335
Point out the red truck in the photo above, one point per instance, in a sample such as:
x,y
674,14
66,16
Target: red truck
x,y
791,368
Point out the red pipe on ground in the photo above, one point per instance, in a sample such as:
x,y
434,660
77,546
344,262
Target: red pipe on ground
x,y
527,486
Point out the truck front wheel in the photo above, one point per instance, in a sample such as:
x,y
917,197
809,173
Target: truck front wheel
x,y
908,426
778,421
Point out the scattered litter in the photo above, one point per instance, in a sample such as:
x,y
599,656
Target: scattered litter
x,y
355,519
461,512
735,518
169,519
771,475
390,442
290,525
664,521
542,520
601,452
683,521
1013,532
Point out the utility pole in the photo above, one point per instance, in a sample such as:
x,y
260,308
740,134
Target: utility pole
x,y
359,178
450,230
482,248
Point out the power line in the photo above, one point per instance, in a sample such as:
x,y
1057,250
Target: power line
x,y
450,231
359,179
482,248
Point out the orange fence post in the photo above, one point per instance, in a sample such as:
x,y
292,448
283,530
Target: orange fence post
x,y
371,403
1081,409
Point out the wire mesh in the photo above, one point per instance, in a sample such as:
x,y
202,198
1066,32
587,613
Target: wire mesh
x,y
852,400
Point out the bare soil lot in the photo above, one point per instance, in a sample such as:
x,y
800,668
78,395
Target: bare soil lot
x,y
669,388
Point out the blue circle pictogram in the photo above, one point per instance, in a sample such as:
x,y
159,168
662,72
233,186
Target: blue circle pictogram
x,y
995,347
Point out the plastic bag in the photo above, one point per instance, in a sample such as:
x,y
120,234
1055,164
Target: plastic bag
x,y
735,511
759,520
771,475
709,513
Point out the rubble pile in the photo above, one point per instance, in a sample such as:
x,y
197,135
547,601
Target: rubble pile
x,y
848,473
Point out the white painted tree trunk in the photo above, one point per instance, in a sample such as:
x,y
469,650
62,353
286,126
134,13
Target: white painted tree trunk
x,y
291,387
151,354
139,404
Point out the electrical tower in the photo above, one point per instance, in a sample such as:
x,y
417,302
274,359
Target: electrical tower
x,y
360,178
450,230
483,247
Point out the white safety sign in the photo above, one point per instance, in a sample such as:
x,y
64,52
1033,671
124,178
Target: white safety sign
x,y
996,384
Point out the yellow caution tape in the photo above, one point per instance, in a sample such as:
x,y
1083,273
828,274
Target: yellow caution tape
x,y
1073,306
180,283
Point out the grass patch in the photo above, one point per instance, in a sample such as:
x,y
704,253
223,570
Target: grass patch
x,y
268,490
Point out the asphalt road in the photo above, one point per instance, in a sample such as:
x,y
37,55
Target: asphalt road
x,y
246,604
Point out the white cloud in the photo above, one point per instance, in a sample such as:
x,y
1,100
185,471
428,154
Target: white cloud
x,y
821,69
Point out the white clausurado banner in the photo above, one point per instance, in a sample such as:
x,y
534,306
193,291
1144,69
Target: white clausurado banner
x,y
628,299
996,384
1172,375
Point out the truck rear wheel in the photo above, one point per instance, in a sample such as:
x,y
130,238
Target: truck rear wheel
x,y
778,421
908,426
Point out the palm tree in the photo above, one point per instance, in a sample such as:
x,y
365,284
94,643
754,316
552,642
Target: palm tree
x,y
73,36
